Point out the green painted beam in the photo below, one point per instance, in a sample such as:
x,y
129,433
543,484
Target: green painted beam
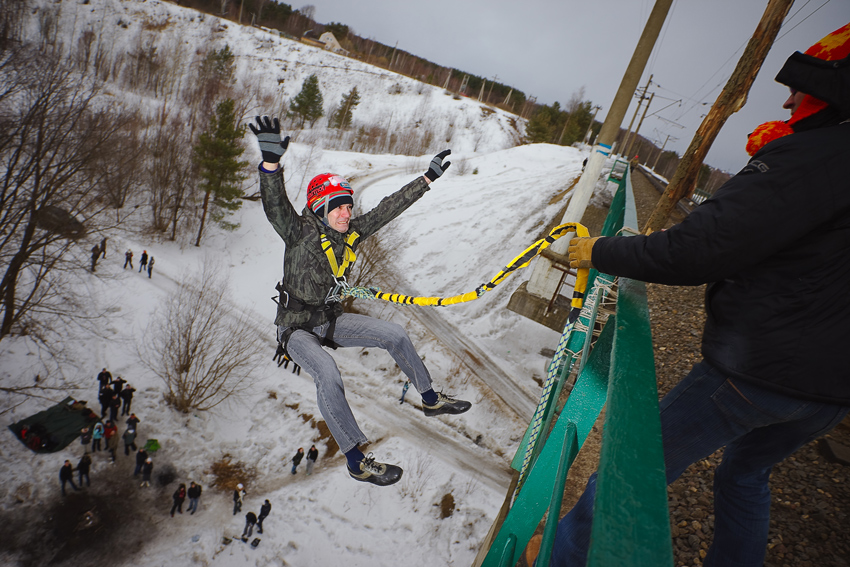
x,y
581,410
631,519
568,455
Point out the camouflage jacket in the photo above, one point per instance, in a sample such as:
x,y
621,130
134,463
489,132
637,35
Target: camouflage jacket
x,y
307,272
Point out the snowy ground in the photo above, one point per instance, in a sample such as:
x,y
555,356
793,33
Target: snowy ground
x,y
459,235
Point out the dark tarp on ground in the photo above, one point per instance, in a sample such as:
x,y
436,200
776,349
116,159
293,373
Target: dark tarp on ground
x,y
55,428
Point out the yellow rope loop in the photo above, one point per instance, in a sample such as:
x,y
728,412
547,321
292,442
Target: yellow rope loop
x,y
517,263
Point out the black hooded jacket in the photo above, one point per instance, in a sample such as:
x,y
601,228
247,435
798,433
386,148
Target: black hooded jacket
x,y
774,245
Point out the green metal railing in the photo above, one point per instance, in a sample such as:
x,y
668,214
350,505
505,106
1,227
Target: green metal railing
x,y
631,520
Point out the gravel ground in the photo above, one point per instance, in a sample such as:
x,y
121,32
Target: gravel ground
x,y
811,496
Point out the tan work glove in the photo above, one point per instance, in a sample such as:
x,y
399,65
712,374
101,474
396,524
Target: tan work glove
x,y
580,252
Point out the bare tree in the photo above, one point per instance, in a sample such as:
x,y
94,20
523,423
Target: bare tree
x,y
53,144
201,346
170,173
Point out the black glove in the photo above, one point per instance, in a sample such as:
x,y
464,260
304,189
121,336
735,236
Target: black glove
x,y
437,168
268,135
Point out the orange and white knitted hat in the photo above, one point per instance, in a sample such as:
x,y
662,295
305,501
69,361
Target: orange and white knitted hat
x,y
818,73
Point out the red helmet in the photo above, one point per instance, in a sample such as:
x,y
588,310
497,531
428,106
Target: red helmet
x,y
331,189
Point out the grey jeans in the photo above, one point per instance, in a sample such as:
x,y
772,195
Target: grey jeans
x,y
352,330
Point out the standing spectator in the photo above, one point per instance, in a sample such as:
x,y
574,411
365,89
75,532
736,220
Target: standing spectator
x,y
85,438
104,378
83,468
128,259
194,493
127,396
114,406
312,455
147,469
264,512
143,263
104,397
141,457
296,460
129,440
96,436
66,474
103,246
117,385
133,422
238,495
179,497
250,521
404,391
95,254
110,433
150,267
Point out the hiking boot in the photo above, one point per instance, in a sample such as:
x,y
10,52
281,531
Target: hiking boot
x,y
380,474
446,404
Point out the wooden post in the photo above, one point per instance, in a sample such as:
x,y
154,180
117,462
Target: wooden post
x,y
731,99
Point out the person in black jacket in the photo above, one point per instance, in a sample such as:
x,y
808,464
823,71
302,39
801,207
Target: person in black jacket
x,y
105,398
773,244
103,379
296,460
83,467
265,509
141,457
179,497
127,397
250,521
238,497
66,474
194,493
312,455
147,470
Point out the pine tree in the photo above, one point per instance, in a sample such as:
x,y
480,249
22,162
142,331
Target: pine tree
x,y
342,117
307,104
540,128
216,155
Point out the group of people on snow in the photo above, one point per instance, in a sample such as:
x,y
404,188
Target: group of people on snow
x,y
312,455
145,262
251,519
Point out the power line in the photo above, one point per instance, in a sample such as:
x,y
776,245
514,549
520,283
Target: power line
x,y
804,19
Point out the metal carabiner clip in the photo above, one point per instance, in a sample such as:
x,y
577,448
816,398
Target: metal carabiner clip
x,y
334,295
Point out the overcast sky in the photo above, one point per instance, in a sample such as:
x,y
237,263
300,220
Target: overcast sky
x,y
551,48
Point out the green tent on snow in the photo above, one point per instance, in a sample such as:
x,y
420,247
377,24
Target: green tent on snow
x,y
56,427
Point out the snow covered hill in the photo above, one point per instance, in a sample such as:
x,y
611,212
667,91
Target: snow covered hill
x,y
490,205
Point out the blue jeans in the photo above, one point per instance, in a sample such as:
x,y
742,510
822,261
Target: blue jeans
x,y
704,412
193,505
352,330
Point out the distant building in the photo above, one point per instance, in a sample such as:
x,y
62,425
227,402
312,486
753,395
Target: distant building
x,y
325,41
331,44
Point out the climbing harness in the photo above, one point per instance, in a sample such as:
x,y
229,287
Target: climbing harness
x,y
334,296
348,255
517,263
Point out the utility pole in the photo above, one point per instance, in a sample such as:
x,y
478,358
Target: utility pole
x,y
731,99
490,92
448,76
640,123
481,94
629,130
532,300
508,98
661,151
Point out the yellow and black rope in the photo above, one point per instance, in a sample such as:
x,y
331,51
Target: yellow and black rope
x,y
517,263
